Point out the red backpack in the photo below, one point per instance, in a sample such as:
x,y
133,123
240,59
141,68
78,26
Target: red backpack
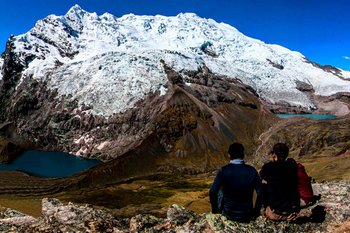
x,y
304,185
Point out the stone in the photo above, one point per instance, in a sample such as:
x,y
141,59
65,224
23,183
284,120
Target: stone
x,y
178,215
141,222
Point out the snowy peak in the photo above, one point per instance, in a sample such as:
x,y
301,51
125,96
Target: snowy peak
x,y
78,18
76,10
61,48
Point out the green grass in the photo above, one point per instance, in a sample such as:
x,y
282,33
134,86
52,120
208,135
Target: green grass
x,y
152,193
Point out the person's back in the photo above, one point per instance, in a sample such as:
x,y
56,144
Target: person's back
x,y
282,185
237,182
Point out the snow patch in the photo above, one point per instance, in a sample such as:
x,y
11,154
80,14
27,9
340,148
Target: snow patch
x,y
110,63
345,74
163,90
103,145
1,64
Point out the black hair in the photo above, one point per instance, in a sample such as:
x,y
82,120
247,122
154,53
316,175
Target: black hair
x,y
236,151
281,150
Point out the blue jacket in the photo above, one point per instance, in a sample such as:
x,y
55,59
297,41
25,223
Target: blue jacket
x,y
237,182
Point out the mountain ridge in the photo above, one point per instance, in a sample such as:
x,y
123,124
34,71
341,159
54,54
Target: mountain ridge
x,y
98,86
78,40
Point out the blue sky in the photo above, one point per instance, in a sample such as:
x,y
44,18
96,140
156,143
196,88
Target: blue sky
x,y
319,29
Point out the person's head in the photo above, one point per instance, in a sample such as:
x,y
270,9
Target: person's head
x,y
280,150
236,151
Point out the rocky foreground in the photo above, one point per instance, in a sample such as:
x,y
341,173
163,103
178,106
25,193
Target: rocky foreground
x,y
330,214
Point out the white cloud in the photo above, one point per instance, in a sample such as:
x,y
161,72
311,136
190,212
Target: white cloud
x,y
346,57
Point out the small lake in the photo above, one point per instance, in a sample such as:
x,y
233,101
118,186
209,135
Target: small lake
x,y
311,116
49,164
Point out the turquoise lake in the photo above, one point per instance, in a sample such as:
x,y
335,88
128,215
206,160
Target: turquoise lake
x,y
312,116
49,164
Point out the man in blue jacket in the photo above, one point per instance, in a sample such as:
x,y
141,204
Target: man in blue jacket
x,y
237,181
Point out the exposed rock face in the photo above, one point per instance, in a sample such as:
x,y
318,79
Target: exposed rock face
x,y
190,126
57,217
328,68
284,107
11,220
186,130
8,151
338,104
304,87
332,214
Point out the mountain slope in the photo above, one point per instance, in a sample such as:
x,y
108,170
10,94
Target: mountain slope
x,y
74,52
100,86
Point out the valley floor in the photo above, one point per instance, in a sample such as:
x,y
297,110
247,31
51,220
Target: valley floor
x,y
151,194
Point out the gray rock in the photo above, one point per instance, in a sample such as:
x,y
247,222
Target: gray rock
x,y
179,215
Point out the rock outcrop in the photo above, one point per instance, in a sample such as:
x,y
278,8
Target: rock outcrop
x,y
331,214
8,151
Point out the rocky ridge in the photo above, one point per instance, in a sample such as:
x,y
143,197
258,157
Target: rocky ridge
x,y
99,86
332,214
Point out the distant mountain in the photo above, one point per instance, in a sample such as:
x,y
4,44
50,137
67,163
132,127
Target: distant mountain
x,y
105,87
110,63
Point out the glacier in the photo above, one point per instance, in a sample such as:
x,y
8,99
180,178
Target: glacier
x,y
110,63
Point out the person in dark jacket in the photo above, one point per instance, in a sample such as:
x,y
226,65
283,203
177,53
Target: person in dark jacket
x,y
281,178
237,181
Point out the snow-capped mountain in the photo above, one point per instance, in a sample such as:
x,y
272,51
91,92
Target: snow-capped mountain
x,y
110,63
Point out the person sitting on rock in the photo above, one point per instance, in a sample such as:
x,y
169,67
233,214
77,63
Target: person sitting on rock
x,y
281,179
237,182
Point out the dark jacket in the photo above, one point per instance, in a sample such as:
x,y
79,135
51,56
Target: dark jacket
x,y
282,186
237,182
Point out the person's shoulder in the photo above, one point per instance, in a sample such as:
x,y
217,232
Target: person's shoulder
x,y
249,167
222,168
269,166
227,166
291,161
